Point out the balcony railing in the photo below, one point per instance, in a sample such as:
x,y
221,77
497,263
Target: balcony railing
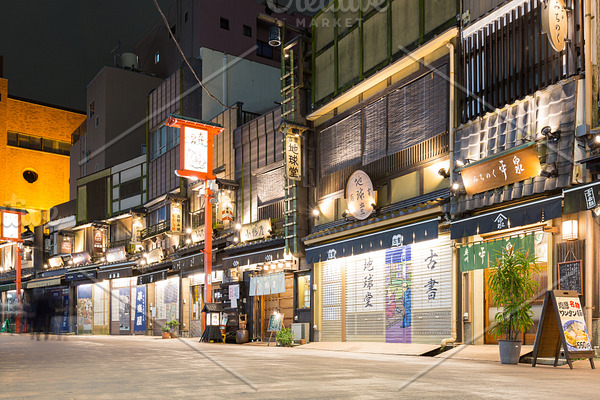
x,y
155,229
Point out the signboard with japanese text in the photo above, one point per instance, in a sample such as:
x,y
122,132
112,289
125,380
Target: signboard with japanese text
x,y
140,309
482,255
562,321
293,157
570,276
98,240
256,230
581,199
196,149
360,196
501,170
176,217
66,245
225,207
198,234
116,254
10,225
554,23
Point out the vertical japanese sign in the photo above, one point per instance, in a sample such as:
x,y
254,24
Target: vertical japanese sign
x,y
293,157
10,225
98,240
511,167
140,309
360,195
176,217
196,149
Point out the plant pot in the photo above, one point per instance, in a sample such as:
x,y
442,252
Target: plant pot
x,y
302,341
174,335
165,335
510,351
242,336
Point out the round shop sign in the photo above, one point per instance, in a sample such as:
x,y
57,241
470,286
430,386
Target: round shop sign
x,y
554,23
360,195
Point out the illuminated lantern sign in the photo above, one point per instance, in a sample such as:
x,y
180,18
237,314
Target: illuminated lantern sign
x,y
10,225
360,195
176,218
196,142
554,23
293,157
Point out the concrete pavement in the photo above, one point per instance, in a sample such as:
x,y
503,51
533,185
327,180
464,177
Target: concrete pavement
x,y
108,367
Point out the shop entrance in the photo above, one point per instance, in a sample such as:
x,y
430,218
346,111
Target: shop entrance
x,y
269,304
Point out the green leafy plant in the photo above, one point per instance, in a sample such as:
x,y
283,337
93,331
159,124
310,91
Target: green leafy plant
x,y
165,328
171,325
512,287
285,337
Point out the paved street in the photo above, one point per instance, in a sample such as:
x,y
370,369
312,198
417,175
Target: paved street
x,y
109,367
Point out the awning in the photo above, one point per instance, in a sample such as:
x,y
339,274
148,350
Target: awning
x,y
400,236
115,272
512,217
8,286
582,198
152,277
255,257
42,282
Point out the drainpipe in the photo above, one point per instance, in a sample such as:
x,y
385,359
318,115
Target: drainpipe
x,y
589,250
224,74
455,271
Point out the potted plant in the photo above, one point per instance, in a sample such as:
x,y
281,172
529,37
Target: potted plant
x,y
285,337
165,332
512,286
172,326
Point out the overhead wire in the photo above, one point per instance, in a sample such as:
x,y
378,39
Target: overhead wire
x,y
164,18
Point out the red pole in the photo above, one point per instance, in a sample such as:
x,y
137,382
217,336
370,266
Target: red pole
x,y
18,319
207,242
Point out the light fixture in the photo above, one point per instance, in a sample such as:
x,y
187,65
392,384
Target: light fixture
x,y
455,186
235,240
315,213
461,163
569,230
45,266
238,226
551,136
188,241
345,214
188,230
274,36
443,173
553,173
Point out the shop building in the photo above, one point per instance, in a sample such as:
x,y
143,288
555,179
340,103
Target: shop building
x,y
380,250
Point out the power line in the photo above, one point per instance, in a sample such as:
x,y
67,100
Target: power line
x,y
164,18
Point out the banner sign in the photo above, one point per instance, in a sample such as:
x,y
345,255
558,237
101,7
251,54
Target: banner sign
x,y
140,309
480,255
293,157
500,170
176,218
10,225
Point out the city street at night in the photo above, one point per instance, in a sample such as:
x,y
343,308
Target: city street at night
x,y
109,367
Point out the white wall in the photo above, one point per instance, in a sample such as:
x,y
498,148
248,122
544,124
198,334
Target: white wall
x,y
254,84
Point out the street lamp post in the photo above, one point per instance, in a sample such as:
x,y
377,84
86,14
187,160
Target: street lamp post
x,y
10,230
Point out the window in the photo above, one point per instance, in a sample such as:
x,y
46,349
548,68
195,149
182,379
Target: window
x,y
37,143
162,140
97,121
131,188
303,294
264,50
224,23
157,57
247,31
158,216
91,109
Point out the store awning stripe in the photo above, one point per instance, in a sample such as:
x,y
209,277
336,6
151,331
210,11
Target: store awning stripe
x,y
512,217
255,257
43,282
400,236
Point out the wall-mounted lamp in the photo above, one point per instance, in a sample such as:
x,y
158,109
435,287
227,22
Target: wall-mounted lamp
x,y
553,173
551,136
461,163
569,230
315,213
443,173
235,240
238,226
345,214
274,36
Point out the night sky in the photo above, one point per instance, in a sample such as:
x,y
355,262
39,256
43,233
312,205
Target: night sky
x,y
53,48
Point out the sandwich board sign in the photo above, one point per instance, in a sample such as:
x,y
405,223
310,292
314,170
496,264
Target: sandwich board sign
x,y
562,323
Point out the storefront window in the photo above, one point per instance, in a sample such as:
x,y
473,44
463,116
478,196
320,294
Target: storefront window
x,y
303,294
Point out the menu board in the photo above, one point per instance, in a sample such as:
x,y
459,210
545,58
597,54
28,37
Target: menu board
x,y
573,324
562,322
275,322
569,276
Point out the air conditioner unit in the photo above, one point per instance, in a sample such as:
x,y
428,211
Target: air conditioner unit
x,y
301,331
